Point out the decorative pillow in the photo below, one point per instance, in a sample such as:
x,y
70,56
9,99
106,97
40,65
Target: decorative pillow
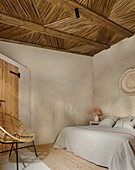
x,y
125,124
129,125
109,122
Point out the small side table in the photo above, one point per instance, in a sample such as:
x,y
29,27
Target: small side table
x,y
92,122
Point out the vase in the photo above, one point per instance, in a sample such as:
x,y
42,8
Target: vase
x,y
96,118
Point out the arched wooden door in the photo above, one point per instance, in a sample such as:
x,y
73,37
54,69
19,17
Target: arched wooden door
x,y
9,91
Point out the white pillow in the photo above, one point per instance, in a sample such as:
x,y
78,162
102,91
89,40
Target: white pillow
x,y
125,124
109,121
129,125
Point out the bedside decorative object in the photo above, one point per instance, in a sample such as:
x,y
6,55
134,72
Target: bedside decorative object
x,y
97,113
96,118
91,122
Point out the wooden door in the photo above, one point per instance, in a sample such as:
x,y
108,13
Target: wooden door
x,y
1,77
9,91
1,82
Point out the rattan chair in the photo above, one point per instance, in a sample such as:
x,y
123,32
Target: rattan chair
x,y
14,132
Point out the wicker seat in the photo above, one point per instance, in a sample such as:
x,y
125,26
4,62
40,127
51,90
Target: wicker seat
x,y
13,131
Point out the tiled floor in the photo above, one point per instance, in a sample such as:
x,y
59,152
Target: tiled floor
x,y
27,161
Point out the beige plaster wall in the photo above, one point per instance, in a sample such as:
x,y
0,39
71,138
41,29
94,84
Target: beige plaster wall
x,y
61,88
24,91
109,65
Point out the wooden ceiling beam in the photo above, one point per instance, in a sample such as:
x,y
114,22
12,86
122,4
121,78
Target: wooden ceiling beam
x,y
42,46
46,30
60,34
24,34
89,13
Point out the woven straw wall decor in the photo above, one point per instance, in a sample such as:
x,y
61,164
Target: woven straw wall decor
x,y
127,82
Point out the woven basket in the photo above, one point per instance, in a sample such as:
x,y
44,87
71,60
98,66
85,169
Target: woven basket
x,y
13,130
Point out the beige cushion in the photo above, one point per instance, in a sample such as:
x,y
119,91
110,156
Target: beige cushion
x,y
109,122
125,124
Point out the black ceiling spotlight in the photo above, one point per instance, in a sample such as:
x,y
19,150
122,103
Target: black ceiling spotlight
x,y
77,13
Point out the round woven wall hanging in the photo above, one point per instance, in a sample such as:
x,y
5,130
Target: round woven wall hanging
x,y
127,82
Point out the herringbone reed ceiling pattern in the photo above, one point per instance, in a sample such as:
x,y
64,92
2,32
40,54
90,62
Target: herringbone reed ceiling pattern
x,y
53,24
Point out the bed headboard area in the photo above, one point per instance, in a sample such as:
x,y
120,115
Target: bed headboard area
x,y
114,80
122,106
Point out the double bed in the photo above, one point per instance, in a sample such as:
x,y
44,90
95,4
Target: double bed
x,y
108,147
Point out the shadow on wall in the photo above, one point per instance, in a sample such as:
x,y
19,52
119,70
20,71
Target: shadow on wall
x,y
56,113
120,106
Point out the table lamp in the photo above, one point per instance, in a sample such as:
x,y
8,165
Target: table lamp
x,y
97,113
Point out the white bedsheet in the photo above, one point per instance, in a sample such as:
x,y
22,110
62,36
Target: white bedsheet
x,y
109,147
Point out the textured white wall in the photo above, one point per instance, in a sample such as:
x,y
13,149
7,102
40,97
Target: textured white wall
x,y
62,85
108,66
24,91
61,88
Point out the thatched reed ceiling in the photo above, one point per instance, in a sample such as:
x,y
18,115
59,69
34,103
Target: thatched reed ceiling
x,y
53,24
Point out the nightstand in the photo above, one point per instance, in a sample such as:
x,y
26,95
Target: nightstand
x,y
92,122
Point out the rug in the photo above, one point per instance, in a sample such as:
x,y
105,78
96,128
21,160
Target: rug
x,y
60,159
27,161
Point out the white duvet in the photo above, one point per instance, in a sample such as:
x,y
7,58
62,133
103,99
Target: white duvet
x,y
108,147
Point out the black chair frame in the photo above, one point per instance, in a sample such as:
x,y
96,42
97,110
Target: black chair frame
x,y
17,148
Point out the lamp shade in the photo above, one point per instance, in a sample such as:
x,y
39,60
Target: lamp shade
x,y
97,112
